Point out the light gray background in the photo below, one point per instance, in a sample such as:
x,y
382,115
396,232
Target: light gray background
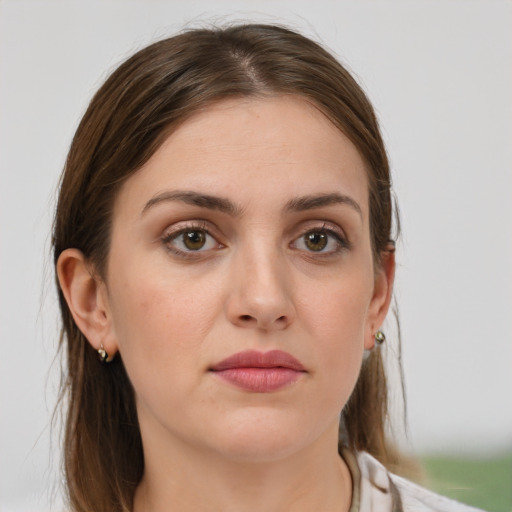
x,y
440,76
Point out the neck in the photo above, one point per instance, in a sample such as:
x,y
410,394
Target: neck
x,y
315,478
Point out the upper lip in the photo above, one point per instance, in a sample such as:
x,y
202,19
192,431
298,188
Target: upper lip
x,y
257,359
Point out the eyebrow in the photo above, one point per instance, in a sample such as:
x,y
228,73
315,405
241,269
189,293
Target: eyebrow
x,y
311,202
298,204
196,199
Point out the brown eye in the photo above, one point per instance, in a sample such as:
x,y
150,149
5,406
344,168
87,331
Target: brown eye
x,y
316,241
194,240
191,240
323,241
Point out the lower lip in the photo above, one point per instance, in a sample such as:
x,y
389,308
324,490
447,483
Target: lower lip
x,y
260,380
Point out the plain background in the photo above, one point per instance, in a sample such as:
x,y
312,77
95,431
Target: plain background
x,y
439,75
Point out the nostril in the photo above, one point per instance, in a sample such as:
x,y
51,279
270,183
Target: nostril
x,y
263,322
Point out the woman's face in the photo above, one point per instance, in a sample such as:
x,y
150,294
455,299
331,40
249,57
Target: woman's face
x,y
240,284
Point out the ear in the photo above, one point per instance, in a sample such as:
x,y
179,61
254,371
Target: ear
x,y
381,299
87,300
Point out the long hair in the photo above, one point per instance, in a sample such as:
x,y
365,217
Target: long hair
x,y
130,116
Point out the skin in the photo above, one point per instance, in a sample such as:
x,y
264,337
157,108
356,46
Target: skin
x,y
173,312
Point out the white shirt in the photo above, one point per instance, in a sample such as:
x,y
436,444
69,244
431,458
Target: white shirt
x,y
377,490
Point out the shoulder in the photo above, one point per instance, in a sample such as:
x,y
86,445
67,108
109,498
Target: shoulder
x,y
415,497
378,487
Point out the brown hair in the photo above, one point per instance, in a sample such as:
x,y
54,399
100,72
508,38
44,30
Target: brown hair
x,y
125,123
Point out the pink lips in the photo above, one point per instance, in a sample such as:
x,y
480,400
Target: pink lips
x,y
260,372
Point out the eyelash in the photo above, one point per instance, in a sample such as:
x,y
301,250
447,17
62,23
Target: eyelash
x,y
341,242
168,238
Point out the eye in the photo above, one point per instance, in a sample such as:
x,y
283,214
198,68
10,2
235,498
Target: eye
x,y
320,241
190,240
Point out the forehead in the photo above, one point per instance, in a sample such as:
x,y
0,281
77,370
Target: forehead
x,y
254,149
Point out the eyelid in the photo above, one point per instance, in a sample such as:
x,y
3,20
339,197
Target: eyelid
x,y
329,228
320,225
173,232
181,226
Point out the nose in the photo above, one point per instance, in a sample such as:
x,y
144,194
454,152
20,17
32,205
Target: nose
x,y
261,292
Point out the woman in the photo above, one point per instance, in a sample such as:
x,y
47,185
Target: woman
x,y
223,243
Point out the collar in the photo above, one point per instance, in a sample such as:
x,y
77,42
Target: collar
x,y
372,487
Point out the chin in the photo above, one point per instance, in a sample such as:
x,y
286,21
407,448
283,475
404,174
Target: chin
x,y
265,438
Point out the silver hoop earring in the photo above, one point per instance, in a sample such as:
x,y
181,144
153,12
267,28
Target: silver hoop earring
x,y
380,337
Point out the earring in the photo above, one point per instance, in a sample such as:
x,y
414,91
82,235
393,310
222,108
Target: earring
x,y
380,337
102,354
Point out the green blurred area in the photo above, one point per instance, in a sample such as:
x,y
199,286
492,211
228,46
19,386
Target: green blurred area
x,y
485,483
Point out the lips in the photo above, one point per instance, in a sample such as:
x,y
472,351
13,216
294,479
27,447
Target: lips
x,y
259,372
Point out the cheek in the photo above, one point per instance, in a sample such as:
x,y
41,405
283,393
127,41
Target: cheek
x,y
163,305
161,326
336,319
338,310
161,322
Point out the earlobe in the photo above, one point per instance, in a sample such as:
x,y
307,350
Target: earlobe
x,y
86,297
381,299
